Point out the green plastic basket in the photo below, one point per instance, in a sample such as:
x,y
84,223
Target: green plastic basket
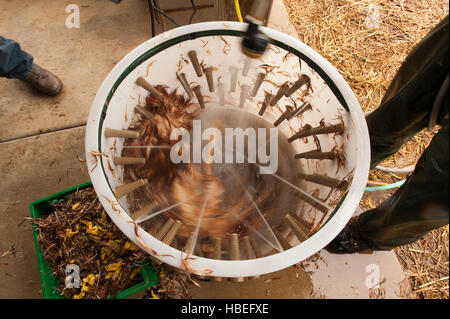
x,y
49,281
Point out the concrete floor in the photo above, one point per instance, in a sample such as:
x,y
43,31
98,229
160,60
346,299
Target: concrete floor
x,y
41,137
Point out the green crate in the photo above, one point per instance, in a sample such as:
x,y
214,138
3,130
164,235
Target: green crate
x,y
49,281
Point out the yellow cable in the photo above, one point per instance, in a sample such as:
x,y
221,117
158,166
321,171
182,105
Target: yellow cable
x,y
238,10
377,183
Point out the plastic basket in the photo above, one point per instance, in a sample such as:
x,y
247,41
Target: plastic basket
x,y
41,208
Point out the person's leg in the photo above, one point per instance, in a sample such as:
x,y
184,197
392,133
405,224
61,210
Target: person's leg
x,y
404,110
14,62
418,207
17,64
421,204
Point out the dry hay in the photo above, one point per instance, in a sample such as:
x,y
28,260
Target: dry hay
x,y
366,50
426,264
367,41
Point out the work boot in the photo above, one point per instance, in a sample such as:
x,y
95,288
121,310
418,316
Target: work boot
x,y
348,242
44,81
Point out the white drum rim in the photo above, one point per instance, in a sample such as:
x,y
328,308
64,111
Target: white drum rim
x,y
228,268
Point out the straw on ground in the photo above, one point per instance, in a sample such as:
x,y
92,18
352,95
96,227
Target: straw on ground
x,y
367,41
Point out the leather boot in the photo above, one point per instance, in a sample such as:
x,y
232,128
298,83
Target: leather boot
x,y
44,81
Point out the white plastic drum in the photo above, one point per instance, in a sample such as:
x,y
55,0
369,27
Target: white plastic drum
x,y
218,44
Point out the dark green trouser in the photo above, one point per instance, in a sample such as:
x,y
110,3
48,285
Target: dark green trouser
x,y
422,203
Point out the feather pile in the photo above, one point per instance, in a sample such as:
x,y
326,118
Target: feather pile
x,y
223,196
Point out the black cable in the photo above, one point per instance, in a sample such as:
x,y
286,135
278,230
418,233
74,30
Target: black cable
x,y
154,8
152,17
193,13
163,14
